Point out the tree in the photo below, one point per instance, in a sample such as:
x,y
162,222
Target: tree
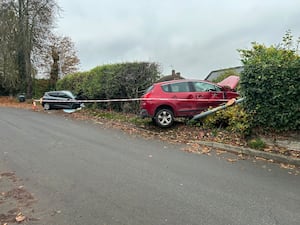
x,y
58,58
270,84
28,45
35,20
9,79
63,57
54,73
68,60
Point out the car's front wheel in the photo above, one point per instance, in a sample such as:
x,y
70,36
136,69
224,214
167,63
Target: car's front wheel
x,y
164,118
47,106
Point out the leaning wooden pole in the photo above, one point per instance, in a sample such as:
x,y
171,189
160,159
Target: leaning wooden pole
x,y
208,112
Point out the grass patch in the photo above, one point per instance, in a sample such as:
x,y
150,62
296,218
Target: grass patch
x,y
257,143
138,121
119,116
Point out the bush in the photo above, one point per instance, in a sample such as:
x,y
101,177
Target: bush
x,y
270,83
115,81
257,144
234,119
40,86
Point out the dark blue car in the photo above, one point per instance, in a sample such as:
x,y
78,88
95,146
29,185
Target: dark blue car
x,y
60,100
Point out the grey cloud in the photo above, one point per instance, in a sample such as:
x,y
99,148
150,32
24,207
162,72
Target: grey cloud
x,y
193,36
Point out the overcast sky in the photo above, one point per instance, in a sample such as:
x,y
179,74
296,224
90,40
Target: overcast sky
x,y
193,37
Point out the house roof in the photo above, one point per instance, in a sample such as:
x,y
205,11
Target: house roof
x,y
173,76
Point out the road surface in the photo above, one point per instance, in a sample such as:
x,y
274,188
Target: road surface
x,y
84,173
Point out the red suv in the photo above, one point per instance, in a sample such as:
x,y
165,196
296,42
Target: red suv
x,y
185,98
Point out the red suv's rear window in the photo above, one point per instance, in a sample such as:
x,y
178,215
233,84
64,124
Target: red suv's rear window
x,y
149,89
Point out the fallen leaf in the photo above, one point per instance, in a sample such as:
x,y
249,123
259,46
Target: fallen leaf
x,y
268,149
205,150
260,158
287,166
231,160
20,217
201,134
241,157
219,152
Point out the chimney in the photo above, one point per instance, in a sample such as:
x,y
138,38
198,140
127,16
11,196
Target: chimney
x,y
173,73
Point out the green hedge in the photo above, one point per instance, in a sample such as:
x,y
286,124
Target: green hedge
x,y
270,83
114,81
40,86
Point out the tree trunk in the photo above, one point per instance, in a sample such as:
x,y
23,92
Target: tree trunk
x,y
54,68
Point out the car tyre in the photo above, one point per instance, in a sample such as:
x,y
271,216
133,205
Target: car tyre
x,y
164,118
47,106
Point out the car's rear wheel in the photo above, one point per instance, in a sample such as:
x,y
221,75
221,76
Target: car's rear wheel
x,y
47,106
164,118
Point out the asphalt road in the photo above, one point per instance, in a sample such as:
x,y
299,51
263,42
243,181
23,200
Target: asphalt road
x,y
83,173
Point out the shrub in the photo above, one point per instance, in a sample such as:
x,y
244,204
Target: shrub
x,y
115,81
270,83
256,143
40,86
234,119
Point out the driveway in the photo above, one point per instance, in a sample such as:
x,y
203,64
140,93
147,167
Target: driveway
x,y
84,173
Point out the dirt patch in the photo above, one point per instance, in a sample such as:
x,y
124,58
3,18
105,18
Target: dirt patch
x,y
16,202
13,102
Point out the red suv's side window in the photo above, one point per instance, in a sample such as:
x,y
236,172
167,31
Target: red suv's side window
x,y
166,88
177,87
202,87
